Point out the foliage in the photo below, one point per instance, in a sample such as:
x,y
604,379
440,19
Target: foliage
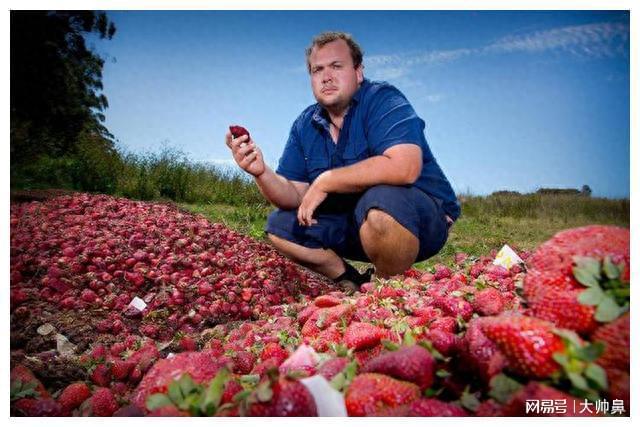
x,y
55,85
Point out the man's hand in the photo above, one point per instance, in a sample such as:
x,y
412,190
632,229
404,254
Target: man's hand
x,y
246,154
310,202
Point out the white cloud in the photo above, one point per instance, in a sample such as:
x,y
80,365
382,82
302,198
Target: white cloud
x,y
590,41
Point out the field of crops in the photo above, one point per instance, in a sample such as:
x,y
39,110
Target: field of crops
x,y
129,308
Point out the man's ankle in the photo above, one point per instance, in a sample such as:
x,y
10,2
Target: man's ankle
x,y
353,275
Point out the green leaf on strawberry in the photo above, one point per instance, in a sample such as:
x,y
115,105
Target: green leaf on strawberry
x,y
213,395
591,296
608,310
503,387
611,270
604,290
598,375
158,400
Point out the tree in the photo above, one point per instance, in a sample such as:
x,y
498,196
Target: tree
x,y
56,82
586,191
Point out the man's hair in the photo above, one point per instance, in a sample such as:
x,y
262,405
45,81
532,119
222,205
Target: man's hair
x,y
331,36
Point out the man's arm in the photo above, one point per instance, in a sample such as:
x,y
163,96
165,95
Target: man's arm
x,y
398,165
280,191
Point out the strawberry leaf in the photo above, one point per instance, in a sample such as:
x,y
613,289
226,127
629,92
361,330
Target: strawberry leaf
x,y
175,393
584,276
598,375
503,387
469,400
589,265
408,339
213,395
578,381
389,345
186,384
591,296
610,269
158,400
607,310
590,352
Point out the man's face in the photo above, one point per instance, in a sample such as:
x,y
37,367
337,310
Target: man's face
x,y
334,80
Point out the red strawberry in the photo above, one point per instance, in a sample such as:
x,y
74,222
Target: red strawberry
x,y
445,324
445,342
306,313
454,307
243,362
326,301
414,364
273,349
101,404
488,302
238,131
369,394
46,408
363,356
325,338
23,406
288,399
551,287
187,343
616,337
619,386
527,343
101,375
435,408
121,369
24,374
73,396
361,335
479,354
231,388
332,367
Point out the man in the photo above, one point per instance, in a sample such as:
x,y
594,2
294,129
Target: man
x,y
357,179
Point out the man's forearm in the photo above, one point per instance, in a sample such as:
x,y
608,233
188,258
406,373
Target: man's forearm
x,y
367,173
278,190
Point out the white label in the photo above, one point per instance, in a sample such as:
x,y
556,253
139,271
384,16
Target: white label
x,y
507,257
138,304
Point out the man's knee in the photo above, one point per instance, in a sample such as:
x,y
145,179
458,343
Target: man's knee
x,y
378,222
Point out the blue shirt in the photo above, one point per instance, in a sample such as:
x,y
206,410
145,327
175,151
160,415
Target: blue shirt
x,y
379,118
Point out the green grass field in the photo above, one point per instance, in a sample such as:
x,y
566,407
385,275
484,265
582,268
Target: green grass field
x,y
486,223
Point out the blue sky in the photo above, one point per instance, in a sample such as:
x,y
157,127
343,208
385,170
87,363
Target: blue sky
x,y
512,100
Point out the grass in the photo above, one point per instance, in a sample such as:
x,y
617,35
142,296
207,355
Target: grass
x,y
486,223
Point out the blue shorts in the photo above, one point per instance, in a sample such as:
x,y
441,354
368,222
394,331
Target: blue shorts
x,y
341,216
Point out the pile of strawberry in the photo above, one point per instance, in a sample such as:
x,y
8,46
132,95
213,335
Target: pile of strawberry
x,y
467,339
97,253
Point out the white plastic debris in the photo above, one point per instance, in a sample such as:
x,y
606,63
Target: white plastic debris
x,y
507,258
329,401
171,355
64,346
46,329
138,304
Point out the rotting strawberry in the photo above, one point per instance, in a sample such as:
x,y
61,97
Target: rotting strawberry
x,y
101,404
360,335
527,343
46,408
238,131
488,302
332,367
413,363
368,394
327,301
592,264
616,337
243,362
72,396
25,376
